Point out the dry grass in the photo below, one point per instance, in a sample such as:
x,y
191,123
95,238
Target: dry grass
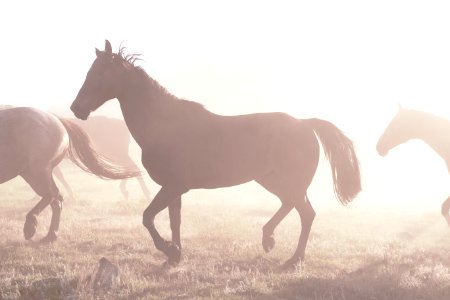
x,y
353,253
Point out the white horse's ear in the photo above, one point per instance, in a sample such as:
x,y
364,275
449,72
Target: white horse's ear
x,y
400,107
108,48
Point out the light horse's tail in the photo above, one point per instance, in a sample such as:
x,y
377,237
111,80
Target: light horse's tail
x,y
340,152
82,153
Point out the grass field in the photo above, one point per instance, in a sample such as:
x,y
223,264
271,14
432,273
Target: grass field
x,y
353,253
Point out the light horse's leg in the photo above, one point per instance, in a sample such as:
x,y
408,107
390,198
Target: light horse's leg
x,y
162,200
59,175
144,188
43,184
140,179
123,188
445,210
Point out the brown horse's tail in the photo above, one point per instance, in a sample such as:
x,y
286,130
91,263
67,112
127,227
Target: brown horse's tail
x,y
341,154
83,154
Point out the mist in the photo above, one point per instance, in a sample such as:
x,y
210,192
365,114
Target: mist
x,y
348,62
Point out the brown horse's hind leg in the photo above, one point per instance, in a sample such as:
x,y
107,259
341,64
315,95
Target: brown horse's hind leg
x,y
307,215
163,199
445,210
268,241
272,183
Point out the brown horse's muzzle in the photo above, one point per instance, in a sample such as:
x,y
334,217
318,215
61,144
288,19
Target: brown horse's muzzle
x,y
79,112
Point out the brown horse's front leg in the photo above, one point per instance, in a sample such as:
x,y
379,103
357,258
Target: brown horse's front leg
x,y
56,206
162,200
445,210
175,220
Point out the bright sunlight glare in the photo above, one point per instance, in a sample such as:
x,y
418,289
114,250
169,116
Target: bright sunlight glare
x,y
349,62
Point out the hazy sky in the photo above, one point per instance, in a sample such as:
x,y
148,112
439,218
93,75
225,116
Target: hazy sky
x,y
350,62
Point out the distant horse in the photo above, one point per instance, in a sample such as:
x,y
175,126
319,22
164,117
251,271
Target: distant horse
x,y
32,143
111,138
185,147
412,124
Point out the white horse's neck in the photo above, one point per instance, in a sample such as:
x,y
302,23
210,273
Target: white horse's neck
x,y
434,131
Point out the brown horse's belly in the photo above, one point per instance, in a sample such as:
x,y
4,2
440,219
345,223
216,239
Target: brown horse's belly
x,y
193,172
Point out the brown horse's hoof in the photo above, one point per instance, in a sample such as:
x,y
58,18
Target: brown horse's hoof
x,y
50,238
268,242
173,253
29,229
292,265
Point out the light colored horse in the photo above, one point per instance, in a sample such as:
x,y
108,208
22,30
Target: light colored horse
x,y
184,146
413,124
32,143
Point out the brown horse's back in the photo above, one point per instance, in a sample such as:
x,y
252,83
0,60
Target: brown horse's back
x,y
232,150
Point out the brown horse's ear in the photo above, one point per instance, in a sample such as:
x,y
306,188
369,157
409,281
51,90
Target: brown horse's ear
x,y
97,52
108,48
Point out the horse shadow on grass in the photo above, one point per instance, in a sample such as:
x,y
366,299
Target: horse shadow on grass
x,y
421,277
424,278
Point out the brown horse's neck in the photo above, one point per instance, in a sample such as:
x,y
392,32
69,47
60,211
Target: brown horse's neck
x,y
137,111
144,104
151,112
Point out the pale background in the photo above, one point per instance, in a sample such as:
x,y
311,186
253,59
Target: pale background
x,y
350,62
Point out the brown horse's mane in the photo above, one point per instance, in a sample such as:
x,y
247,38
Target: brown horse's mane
x,y
162,92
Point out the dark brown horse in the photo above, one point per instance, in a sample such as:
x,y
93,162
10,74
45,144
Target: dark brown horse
x,y
185,147
111,138
32,143
413,124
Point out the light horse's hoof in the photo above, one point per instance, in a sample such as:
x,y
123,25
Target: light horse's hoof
x,y
268,242
29,229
